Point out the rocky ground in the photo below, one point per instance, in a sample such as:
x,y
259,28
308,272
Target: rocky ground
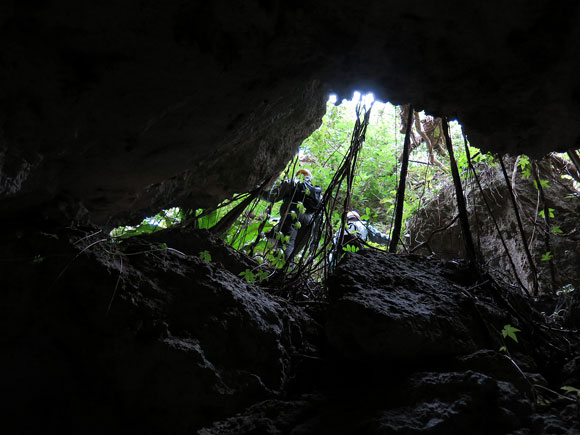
x,y
145,336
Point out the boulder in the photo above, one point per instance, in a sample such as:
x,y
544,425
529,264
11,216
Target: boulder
x,y
138,336
387,307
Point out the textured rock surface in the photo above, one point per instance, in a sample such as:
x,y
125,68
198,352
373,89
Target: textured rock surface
x,y
361,388
561,197
137,337
115,110
144,337
388,308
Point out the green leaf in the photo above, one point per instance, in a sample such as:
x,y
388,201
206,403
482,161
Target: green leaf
x,y
542,213
248,275
556,230
503,349
543,183
527,173
350,248
547,256
510,331
205,256
262,275
570,389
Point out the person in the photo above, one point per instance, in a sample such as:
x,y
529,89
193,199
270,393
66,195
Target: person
x,y
356,233
363,230
296,222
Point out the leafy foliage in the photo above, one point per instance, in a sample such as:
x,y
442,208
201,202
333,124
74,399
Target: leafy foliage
x,y
550,212
510,331
376,179
350,248
163,219
373,191
205,256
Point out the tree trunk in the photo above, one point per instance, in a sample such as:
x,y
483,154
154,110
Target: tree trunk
x,y
402,183
469,247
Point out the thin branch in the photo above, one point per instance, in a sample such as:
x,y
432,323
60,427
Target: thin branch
x,y
438,230
432,157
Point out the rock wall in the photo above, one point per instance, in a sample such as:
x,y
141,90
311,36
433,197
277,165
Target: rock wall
x,y
139,336
112,111
561,197
411,348
103,337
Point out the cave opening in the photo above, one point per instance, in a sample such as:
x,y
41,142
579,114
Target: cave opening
x,y
428,228
188,323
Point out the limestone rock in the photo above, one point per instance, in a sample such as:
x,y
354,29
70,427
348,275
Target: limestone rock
x,y
111,112
136,336
387,308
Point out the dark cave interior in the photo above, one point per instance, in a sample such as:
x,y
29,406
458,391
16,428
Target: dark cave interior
x,y
112,111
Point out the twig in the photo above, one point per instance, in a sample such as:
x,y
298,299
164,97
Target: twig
x,y
74,258
116,286
438,230
87,237
432,158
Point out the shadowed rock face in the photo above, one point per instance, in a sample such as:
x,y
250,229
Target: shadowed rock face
x,y
561,197
153,340
114,110
140,337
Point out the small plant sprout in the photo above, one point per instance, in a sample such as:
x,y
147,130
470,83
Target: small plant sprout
x,y
550,213
508,331
544,184
249,276
252,277
350,248
205,256
262,275
546,256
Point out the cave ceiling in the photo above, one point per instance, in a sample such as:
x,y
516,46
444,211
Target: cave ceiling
x,y
112,110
